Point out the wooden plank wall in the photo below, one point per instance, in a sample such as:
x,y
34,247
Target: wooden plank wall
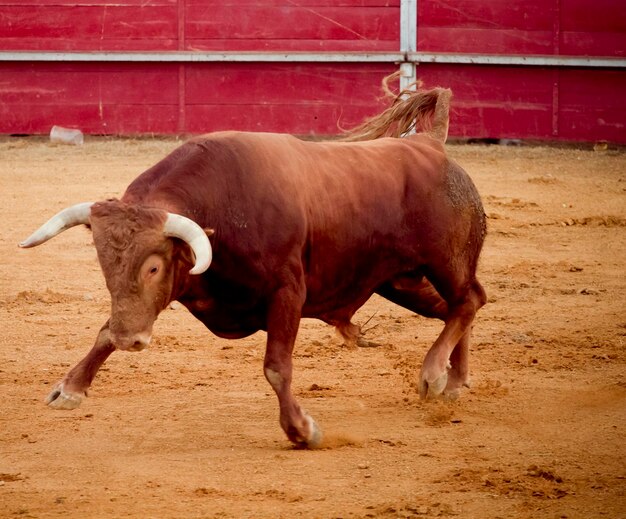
x,y
549,27
313,25
129,98
521,102
132,98
342,25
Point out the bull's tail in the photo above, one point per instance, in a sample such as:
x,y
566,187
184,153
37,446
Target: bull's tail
x,y
425,111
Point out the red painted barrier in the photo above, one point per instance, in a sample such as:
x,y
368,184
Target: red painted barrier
x,y
490,101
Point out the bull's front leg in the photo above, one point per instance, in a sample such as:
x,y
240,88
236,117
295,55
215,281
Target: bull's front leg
x,y
69,392
282,327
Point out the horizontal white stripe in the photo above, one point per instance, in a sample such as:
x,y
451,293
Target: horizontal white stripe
x,y
315,57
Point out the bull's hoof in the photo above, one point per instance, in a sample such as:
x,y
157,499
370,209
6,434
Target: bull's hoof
x,y
454,388
60,399
434,388
364,343
451,394
313,439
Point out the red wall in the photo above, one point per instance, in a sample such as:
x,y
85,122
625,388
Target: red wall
x,y
547,27
355,25
302,98
528,102
130,98
309,98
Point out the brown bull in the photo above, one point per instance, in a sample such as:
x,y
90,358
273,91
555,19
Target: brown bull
x,y
298,229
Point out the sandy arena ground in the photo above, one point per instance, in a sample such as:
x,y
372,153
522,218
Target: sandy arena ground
x,y
189,427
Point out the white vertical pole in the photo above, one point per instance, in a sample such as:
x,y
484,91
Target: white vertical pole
x,y
408,25
408,43
408,40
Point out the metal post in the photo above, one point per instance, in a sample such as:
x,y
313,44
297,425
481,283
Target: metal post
x,y
408,25
408,41
408,44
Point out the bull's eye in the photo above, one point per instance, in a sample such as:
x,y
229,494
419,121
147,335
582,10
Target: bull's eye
x,y
152,266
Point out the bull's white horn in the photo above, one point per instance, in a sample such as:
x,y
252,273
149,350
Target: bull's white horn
x,y
190,232
74,215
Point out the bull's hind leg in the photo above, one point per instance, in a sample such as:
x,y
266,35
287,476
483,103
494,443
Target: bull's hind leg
x,y
283,320
69,392
452,345
350,332
448,370
458,372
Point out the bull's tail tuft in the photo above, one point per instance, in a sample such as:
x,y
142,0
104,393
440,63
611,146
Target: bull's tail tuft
x,y
425,111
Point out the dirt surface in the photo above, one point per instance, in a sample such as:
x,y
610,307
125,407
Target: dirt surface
x,y
189,427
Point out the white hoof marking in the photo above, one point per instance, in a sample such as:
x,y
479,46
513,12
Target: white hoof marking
x,y
315,437
59,399
435,388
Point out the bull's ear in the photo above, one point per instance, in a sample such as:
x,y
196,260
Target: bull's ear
x,y
209,232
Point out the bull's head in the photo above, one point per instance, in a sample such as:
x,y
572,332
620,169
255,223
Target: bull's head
x,y
138,259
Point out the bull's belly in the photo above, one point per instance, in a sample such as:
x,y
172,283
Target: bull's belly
x,y
334,306
336,309
225,322
231,334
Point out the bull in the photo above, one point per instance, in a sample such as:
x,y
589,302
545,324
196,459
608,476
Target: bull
x,y
253,231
